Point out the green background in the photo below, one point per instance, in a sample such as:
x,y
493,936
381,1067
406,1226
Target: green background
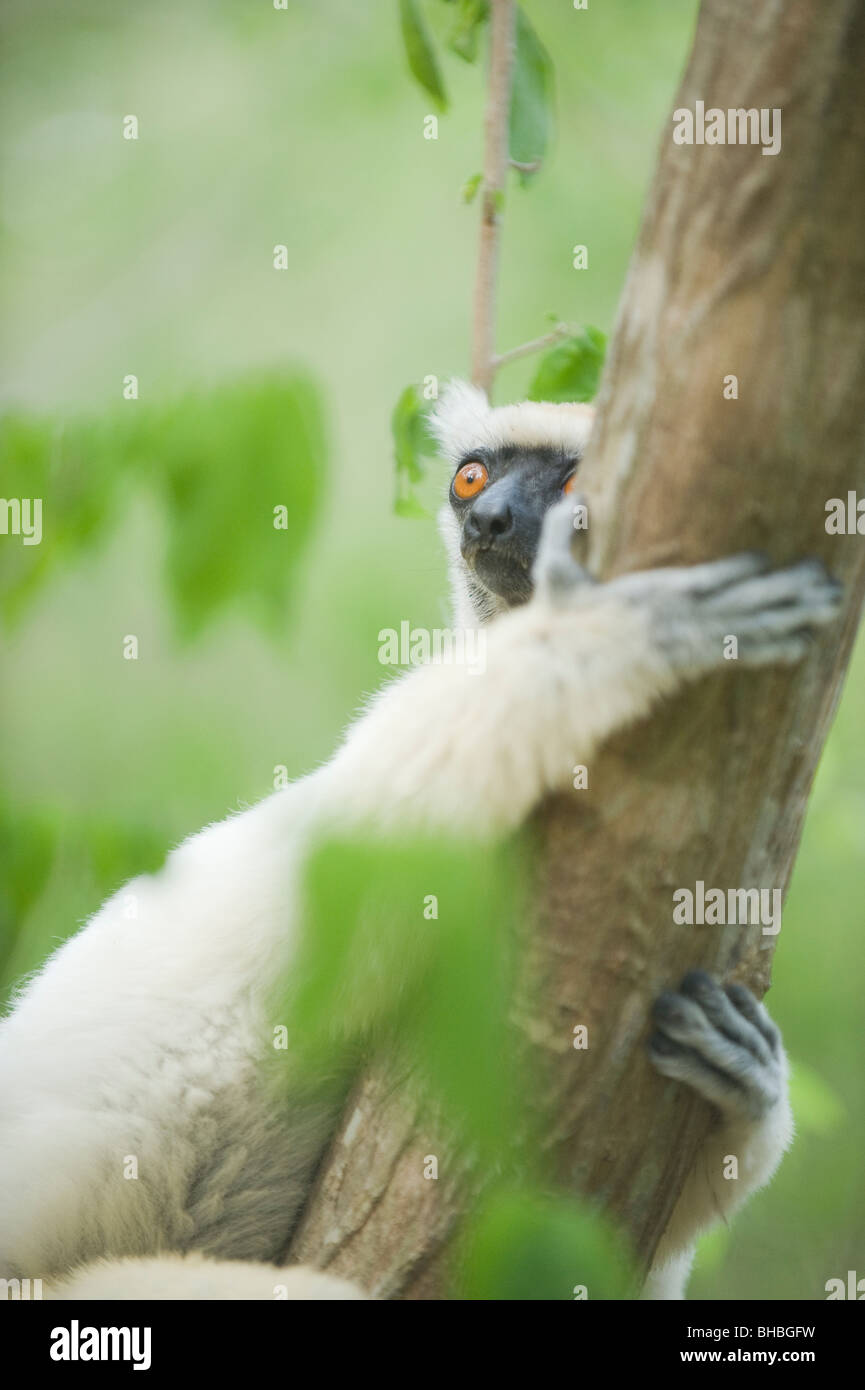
x,y
154,257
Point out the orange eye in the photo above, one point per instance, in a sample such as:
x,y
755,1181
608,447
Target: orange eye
x,y
568,484
471,479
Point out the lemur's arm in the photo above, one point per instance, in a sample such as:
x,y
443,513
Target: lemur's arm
x,y
449,749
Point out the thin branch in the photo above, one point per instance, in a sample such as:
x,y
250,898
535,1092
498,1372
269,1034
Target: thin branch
x,y
502,48
562,330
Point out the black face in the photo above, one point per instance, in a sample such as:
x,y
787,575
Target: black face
x,y
500,498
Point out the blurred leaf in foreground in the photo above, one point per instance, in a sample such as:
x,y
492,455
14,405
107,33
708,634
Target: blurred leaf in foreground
x,y
241,469
526,1245
243,472
413,943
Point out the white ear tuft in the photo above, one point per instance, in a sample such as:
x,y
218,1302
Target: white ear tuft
x,y
460,418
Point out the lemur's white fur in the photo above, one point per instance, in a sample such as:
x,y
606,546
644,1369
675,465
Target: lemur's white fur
x,y
148,1035
195,1277
465,422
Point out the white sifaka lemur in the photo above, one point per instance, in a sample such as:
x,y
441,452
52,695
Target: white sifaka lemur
x,y
144,1036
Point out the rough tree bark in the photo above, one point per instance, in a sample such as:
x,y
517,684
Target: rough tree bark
x,y
746,264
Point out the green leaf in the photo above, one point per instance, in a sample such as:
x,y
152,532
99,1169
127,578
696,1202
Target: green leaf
x,y
226,461
411,438
463,37
375,968
220,460
525,1245
470,187
422,60
531,113
75,469
571,370
412,444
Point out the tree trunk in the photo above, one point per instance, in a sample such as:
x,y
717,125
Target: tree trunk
x,y
750,265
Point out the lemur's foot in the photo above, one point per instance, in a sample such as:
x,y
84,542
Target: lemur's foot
x,y
722,1042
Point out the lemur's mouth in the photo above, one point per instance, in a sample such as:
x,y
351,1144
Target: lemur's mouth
x,y
507,575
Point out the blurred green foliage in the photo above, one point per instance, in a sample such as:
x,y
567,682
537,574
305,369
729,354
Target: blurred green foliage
x,y
408,944
523,1245
239,471
300,127
411,943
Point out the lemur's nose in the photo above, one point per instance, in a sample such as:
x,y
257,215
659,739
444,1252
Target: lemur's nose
x,y
489,518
